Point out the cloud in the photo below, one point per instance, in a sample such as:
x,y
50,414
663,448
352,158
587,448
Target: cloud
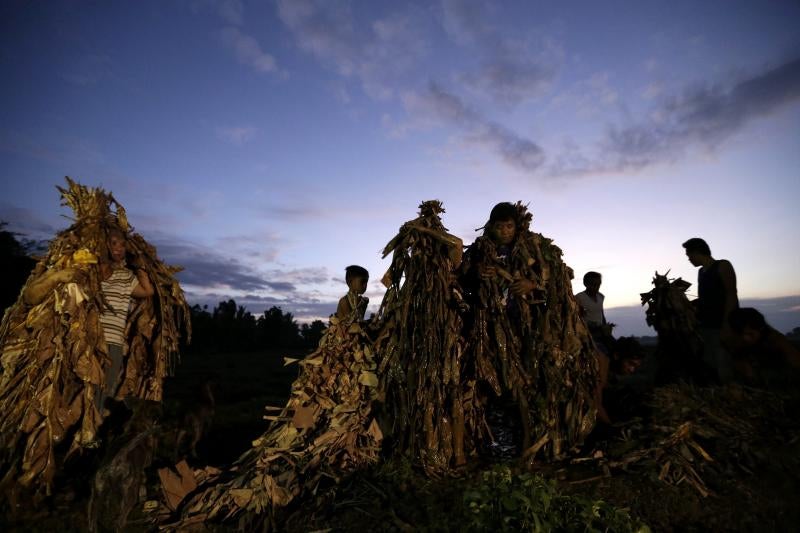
x,y
436,103
207,268
511,70
247,50
26,222
238,135
231,11
377,55
302,276
702,115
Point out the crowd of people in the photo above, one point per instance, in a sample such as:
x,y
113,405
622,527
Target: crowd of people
x,y
737,342
501,281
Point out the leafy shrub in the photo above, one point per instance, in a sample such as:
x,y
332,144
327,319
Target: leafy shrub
x,y
502,501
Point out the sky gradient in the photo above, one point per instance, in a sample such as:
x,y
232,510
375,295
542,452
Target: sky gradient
x,y
265,146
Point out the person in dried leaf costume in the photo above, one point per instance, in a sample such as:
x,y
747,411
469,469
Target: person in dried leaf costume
x,y
57,362
431,409
326,430
530,346
680,345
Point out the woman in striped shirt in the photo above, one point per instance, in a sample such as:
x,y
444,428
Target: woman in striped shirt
x,y
119,285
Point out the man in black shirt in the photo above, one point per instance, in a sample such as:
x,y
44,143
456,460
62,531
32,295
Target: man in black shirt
x,y
717,297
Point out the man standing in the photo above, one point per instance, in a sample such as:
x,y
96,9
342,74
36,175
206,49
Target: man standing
x,y
717,297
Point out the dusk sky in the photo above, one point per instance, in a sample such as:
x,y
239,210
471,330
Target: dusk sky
x,y
264,146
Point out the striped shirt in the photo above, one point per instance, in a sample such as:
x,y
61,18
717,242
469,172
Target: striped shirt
x,y
117,291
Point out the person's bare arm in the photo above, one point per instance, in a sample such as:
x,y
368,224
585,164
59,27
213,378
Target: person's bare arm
x,y
144,289
343,310
38,290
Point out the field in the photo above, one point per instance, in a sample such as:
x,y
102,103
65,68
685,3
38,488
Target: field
x,y
753,488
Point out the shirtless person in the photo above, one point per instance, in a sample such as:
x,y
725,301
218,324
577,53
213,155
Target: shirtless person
x,y
353,304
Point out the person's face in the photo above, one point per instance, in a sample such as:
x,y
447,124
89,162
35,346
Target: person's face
x,y
593,285
694,258
750,336
116,247
629,366
504,231
358,284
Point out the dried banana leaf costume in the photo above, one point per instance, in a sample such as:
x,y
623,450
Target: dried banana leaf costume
x,y
431,408
534,349
326,430
54,355
680,346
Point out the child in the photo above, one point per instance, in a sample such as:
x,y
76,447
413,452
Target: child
x,y
353,305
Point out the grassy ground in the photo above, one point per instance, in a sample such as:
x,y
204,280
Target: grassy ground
x,y
243,383
760,495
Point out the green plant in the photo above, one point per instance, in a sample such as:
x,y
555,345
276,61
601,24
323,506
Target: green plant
x,y
504,501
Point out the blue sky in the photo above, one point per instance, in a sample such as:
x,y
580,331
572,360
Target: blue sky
x,y
265,146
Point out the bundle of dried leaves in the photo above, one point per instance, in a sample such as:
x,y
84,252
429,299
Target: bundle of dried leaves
x,y
326,430
680,347
431,408
705,432
54,356
535,349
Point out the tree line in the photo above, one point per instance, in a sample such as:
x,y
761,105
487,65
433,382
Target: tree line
x,y
230,327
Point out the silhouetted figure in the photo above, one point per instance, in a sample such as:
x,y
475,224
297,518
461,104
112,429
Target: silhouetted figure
x,y
756,346
680,346
353,304
717,297
15,267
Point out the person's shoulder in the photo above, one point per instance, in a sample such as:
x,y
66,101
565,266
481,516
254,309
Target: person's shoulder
x,y
581,295
122,274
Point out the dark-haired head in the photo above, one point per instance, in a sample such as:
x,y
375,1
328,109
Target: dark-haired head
x,y
356,278
698,245
697,250
502,212
355,271
592,276
503,224
748,324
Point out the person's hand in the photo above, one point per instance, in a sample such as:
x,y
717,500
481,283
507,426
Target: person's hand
x,y
64,275
487,272
522,287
